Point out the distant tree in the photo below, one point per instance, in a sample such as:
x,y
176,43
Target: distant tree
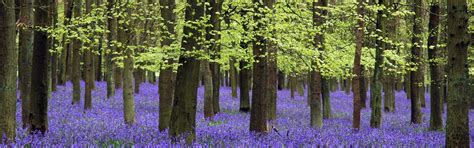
x,y
39,76
24,57
8,68
183,115
167,76
457,123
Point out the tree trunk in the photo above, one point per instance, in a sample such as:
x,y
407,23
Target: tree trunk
x,y
272,81
8,68
215,67
244,87
436,120
166,80
64,65
88,61
259,111
126,38
24,59
292,84
76,59
244,76
316,80
376,90
359,32
389,96
138,76
363,87
39,79
457,123
232,77
208,102
128,99
416,76
407,85
112,36
183,115
281,80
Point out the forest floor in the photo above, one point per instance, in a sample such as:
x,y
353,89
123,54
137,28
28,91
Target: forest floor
x,y
104,125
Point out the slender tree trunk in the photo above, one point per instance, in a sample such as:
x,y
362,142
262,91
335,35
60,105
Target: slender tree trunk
x,y
112,36
8,68
54,55
63,66
281,80
183,115
457,123
232,77
208,102
166,80
436,120
292,84
76,59
376,90
272,81
363,88
357,66
407,85
88,56
215,21
244,86
389,96
39,79
138,76
416,76
315,83
128,99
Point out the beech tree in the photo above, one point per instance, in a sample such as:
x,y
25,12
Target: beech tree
x,y
457,123
39,76
8,68
183,114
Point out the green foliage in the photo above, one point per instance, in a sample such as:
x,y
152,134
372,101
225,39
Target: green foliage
x,y
288,25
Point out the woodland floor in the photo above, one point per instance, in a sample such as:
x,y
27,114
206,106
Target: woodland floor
x,y
103,125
